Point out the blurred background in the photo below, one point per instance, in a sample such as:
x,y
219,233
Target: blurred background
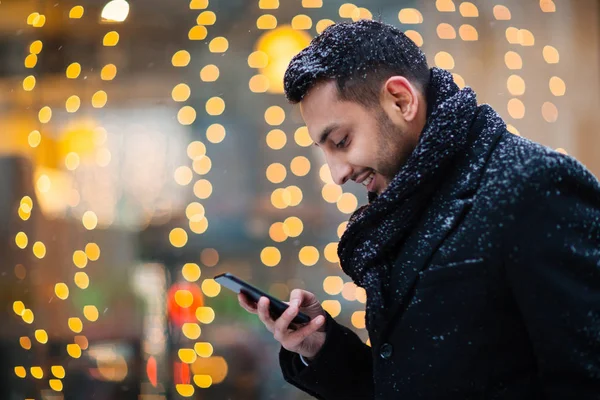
x,y
146,146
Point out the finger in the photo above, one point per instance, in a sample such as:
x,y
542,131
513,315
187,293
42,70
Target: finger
x,y
283,322
263,313
296,297
246,305
293,339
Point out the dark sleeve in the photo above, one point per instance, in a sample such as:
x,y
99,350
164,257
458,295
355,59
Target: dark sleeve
x,y
343,369
553,266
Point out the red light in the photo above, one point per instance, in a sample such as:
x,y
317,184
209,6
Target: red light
x,y
180,315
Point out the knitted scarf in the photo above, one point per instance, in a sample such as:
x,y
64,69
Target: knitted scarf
x,y
376,231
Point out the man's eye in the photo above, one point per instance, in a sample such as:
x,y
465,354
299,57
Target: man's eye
x,y
342,143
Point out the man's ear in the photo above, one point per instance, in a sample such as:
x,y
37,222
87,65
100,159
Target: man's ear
x,y
401,98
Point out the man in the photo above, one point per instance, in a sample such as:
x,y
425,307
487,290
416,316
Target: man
x,y
479,250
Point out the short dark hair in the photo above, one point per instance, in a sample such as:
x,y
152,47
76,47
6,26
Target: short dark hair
x,y
359,56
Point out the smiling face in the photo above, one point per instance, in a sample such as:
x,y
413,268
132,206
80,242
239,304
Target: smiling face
x,y
366,144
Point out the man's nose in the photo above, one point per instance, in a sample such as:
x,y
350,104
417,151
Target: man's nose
x,y
340,173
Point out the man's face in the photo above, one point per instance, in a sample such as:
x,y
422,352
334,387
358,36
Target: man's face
x,y
359,143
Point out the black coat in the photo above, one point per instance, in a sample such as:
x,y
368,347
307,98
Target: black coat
x,y
496,293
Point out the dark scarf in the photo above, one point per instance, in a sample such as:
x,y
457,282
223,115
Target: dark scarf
x,y
376,231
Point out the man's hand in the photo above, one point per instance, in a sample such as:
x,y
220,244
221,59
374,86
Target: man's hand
x,y
305,339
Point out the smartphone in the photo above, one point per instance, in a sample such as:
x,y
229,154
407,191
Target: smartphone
x,y
276,306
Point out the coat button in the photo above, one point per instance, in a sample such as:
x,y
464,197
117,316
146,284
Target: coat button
x,y
385,351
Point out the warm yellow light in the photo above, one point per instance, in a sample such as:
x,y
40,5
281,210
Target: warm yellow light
x,y
194,211
25,342
191,331
198,4
268,4
515,85
258,84
181,58
270,256
90,312
203,381
274,115
183,175
199,226
209,73
276,139
445,31
55,384
312,3
202,165
21,239
39,21
349,291
89,220
547,6
184,298
58,371
516,108
526,38
187,356
512,129
333,285
36,47
444,60
218,45
215,106
203,349
549,112
557,86
209,257
198,32
347,203
513,60
203,189
75,324
92,251
277,232
293,226
308,255
37,372
178,237
361,13
205,315
206,18
550,54
361,295
346,10
74,350
512,35
111,39
258,59
280,45
292,195
300,166
99,99
266,21
61,290
39,249
358,319
445,6
302,137
276,173
184,390
191,272
18,307
76,12
196,150
415,37
29,83
468,33
330,253
115,10
410,16
186,115
210,287
333,307
459,80
181,92
468,10
73,103
45,115
81,280
31,61
301,21
325,174
27,316
31,17
215,133
20,372
501,13
277,198
323,24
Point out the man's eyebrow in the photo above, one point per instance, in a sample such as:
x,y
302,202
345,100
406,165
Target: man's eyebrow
x,y
325,133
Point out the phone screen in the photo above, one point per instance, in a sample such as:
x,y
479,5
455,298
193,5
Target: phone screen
x,y
276,306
